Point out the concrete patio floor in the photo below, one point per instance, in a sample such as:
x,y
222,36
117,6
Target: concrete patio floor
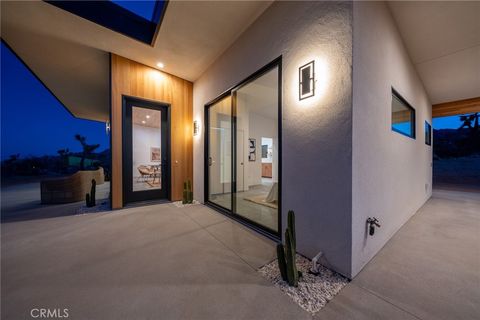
x,y
430,269
164,262
22,202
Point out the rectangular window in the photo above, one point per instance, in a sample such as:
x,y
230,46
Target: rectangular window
x,y
403,116
428,134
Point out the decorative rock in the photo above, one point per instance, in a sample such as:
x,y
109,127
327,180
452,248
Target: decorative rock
x,y
179,204
313,291
103,206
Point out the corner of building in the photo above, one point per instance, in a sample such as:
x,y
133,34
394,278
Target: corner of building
x,y
392,174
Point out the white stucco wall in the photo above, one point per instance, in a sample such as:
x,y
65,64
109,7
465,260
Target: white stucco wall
x,y
317,132
392,174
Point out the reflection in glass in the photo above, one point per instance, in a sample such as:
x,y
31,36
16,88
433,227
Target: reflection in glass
x,y
428,134
257,167
403,117
146,149
220,153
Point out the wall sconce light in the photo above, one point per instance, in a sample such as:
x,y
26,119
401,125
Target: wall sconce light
x,y
306,80
195,128
107,127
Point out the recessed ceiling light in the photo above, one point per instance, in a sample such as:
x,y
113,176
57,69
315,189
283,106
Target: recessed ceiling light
x,y
160,65
147,116
143,121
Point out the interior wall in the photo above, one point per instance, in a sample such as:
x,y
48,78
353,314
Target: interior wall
x,y
392,173
134,79
259,127
144,138
316,133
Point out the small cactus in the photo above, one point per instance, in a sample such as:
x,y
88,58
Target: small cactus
x,y
90,198
184,198
187,192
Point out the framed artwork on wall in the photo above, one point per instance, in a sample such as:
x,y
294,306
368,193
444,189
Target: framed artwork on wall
x,y
155,154
252,149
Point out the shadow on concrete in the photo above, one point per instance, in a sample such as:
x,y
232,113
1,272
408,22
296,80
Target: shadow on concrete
x,y
21,202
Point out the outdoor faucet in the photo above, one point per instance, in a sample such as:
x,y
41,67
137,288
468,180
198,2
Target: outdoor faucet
x,y
372,223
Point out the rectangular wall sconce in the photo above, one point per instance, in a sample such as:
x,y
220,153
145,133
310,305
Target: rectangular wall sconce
x,y
195,128
306,80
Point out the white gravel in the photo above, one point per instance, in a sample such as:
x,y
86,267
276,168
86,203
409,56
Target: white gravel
x,y
313,292
179,204
102,205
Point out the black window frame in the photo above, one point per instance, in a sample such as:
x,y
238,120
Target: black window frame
x,y
413,130
428,133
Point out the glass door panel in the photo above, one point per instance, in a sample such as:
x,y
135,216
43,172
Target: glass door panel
x,y
242,151
146,149
219,157
146,171
257,138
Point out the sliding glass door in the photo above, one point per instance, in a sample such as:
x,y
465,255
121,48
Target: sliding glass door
x,y
242,150
219,158
256,115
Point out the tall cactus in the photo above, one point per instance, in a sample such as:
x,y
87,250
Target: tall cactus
x,y
287,255
90,198
292,274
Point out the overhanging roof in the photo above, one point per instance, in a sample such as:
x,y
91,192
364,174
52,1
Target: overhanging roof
x,y
443,41
69,54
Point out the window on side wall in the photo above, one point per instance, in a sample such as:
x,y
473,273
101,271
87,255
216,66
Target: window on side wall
x,y
403,116
428,134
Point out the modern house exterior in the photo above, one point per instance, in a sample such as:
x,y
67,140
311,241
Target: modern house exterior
x,y
317,107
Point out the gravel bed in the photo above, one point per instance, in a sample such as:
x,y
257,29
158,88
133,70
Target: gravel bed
x,y
313,291
104,205
179,204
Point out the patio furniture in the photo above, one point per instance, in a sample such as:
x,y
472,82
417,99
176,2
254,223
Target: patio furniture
x,y
70,189
145,172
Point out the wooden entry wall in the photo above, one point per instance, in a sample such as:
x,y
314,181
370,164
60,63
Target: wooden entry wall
x,y
134,79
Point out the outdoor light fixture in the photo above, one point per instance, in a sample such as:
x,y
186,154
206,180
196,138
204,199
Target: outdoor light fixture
x,y
160,65
195,128
306,80
147,116
143,121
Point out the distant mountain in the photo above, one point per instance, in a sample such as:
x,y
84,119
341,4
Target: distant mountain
x,y
449,143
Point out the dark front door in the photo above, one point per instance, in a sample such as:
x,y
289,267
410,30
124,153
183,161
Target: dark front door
x,y
146,150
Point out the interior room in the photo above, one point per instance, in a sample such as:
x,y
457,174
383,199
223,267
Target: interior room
x,y
146,149
257,176
256,157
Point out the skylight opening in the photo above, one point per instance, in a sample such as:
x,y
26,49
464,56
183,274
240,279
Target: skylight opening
x,y
144,9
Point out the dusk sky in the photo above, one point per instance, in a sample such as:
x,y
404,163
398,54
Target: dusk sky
x,y
141,8
33,122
